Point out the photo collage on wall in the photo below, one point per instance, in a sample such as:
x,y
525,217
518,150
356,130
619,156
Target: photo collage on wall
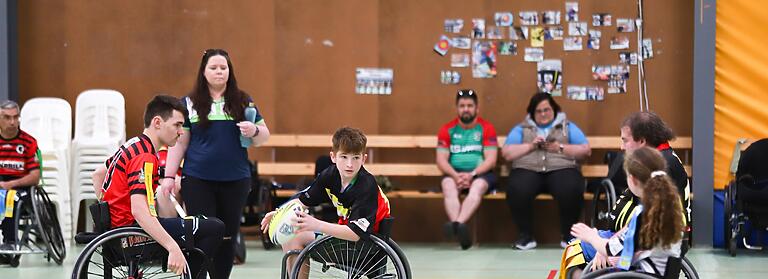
x,y
484,41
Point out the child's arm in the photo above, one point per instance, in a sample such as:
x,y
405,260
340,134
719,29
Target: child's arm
x,y
305,222
589,235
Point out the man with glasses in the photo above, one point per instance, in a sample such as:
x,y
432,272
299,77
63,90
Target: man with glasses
x,y
466,154
19,169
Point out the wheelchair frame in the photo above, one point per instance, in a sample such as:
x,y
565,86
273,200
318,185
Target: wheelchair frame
x,y
735,220
40,229
133,243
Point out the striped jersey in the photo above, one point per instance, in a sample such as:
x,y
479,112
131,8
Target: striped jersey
x,y
131,170
466,145
17,156
361,205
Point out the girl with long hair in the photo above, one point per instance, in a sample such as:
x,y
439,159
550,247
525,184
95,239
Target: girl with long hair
x,y
654,233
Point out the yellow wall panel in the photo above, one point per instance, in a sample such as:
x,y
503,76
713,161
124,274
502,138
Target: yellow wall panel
x,y
741,60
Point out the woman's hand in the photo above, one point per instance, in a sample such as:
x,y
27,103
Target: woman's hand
x,y
247,128
552,146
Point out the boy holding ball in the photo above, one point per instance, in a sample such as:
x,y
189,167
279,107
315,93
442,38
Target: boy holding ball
x,y
359,202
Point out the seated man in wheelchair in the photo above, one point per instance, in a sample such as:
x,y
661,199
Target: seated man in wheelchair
x,y
19,171
639,129
359,202
128,183
655,230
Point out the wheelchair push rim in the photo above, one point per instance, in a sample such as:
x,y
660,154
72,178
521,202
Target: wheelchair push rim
x,y
101,258
48,223
330,257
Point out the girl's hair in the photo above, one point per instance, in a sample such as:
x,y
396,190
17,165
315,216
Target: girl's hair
x,y
235,99
662,209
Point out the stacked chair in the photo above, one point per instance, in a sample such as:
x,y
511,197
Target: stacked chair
x,y
99,131
49,121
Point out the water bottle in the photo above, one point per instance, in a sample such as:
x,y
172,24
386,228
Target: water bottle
x,y
250,115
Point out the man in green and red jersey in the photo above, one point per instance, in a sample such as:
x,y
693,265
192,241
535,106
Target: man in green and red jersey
x,y
466,154
19,170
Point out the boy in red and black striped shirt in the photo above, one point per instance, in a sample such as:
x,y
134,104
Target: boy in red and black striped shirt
x,y
128,183
19,168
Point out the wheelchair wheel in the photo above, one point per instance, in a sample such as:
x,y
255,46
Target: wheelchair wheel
x,y
730,222
48,223
126,252
239,248
611,273
602,208
330,257
400,255
688,271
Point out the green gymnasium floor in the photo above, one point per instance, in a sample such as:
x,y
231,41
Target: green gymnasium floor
x,y
440,261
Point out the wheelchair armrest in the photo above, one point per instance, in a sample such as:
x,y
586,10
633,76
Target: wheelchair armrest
x,y
85,237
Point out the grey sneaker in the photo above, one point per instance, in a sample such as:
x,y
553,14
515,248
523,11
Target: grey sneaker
x,y
525,243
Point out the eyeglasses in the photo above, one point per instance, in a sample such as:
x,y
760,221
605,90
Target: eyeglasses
x,y
544,110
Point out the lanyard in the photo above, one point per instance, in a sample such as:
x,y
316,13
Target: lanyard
x,y
148,171
9,196
629,241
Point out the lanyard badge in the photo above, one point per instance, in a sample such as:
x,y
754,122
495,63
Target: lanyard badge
x,y
625,261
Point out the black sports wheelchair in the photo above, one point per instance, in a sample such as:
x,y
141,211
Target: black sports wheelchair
x,y
37,228
676,268
127,252
330,257
746,198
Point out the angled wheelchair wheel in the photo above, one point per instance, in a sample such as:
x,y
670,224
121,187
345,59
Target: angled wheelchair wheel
x,y
402,257
48,224
601,208
613,272
330,257
126,252
688,271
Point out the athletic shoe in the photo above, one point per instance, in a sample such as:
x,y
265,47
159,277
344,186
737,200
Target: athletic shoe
x,y
449,229
7,247
525,243
463,233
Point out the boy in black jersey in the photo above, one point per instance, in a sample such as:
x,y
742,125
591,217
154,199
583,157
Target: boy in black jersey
x,y
359,202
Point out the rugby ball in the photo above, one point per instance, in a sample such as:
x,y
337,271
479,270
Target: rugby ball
x,y
281,229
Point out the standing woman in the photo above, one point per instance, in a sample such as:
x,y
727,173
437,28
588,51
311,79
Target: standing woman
x,y
216,177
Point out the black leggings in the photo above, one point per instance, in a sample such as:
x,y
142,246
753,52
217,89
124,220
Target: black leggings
x,y
207,237
565,185
8,225
221,199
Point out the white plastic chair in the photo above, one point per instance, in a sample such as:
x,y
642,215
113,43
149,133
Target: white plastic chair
x,y
99,131
49,121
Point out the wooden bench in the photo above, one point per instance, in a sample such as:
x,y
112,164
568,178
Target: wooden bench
x,y
411,169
